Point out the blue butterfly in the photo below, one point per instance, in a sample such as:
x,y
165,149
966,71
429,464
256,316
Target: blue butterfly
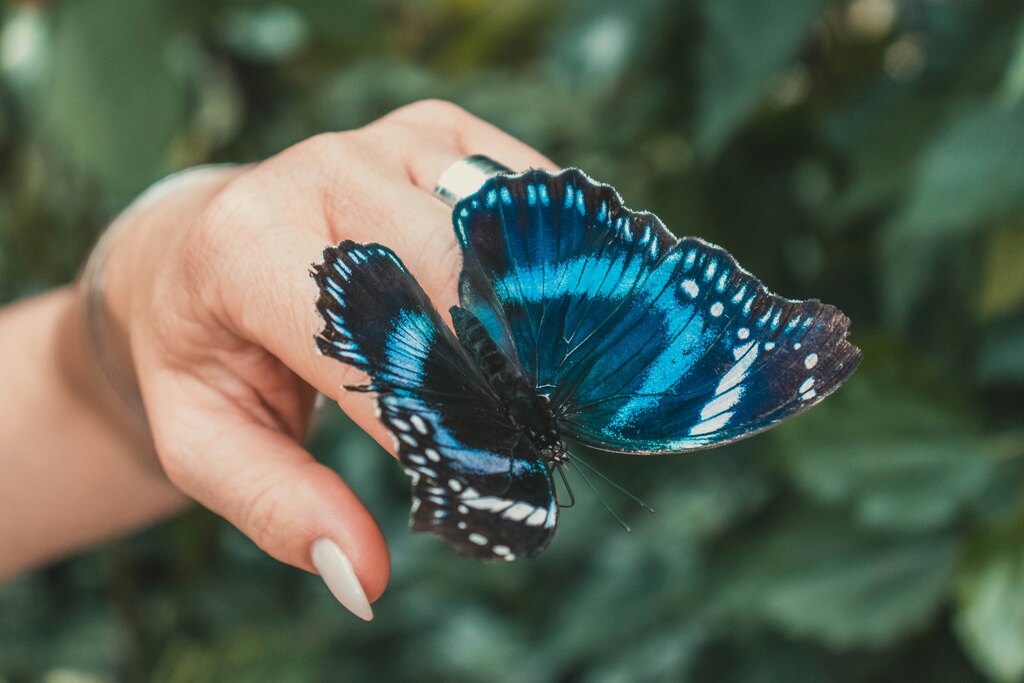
x,y
579,318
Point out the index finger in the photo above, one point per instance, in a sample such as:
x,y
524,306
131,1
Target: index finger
x,y
387,201
452,133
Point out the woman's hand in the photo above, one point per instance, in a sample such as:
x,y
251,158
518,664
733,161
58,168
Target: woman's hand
x,y
210,286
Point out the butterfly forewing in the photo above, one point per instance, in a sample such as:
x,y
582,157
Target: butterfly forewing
x,y
476,482
644,343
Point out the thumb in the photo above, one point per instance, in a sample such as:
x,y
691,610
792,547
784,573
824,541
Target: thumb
x,y
297,510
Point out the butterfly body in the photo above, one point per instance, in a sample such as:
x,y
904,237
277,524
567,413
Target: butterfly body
x,y
578,318
526,409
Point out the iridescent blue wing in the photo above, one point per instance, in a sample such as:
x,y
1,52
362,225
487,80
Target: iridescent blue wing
x,y
642,342
476,483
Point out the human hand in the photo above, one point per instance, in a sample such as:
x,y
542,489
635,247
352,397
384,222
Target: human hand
x,y
209,285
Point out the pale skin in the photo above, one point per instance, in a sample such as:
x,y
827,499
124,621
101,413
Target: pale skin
x,y
209,289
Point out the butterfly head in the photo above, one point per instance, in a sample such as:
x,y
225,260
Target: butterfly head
x,y
531,413
556,455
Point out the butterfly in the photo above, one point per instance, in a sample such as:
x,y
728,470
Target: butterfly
x,y
580,319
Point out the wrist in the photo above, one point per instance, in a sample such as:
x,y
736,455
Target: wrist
x,y
114,294
72,475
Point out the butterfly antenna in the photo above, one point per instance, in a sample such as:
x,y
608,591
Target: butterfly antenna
x,y
568,489
580,461
607,507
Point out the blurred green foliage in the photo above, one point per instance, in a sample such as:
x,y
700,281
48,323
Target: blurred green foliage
x,y
869,153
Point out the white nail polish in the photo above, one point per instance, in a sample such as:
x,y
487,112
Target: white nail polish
x,y
336,571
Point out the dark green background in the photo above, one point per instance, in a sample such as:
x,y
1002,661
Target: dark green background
x,y
870,154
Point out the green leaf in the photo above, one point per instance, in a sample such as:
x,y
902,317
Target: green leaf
x,y
881,135
1012,87
898,460
990,603
93,640
599,40
1001,360
971,174
815,575
907,276
753,656
1002,287
270,33
747,46
662,655
113,103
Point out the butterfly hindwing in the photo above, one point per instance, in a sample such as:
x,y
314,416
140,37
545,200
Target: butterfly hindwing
x,y
491,502
476,482
642,342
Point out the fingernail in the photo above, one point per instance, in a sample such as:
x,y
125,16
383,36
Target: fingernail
x,y
336,570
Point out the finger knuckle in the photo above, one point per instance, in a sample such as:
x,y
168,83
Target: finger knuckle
x,y
322,144
328,165
209,236
434,111
260,516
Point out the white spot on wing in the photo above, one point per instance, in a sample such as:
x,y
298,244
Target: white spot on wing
x,y
489,503
721,403
738,372
716,413
419,424
738,352
712,425
519,512
539,516
478,539
811,361
691,288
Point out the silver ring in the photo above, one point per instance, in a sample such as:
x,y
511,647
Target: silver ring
x,y
465,177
